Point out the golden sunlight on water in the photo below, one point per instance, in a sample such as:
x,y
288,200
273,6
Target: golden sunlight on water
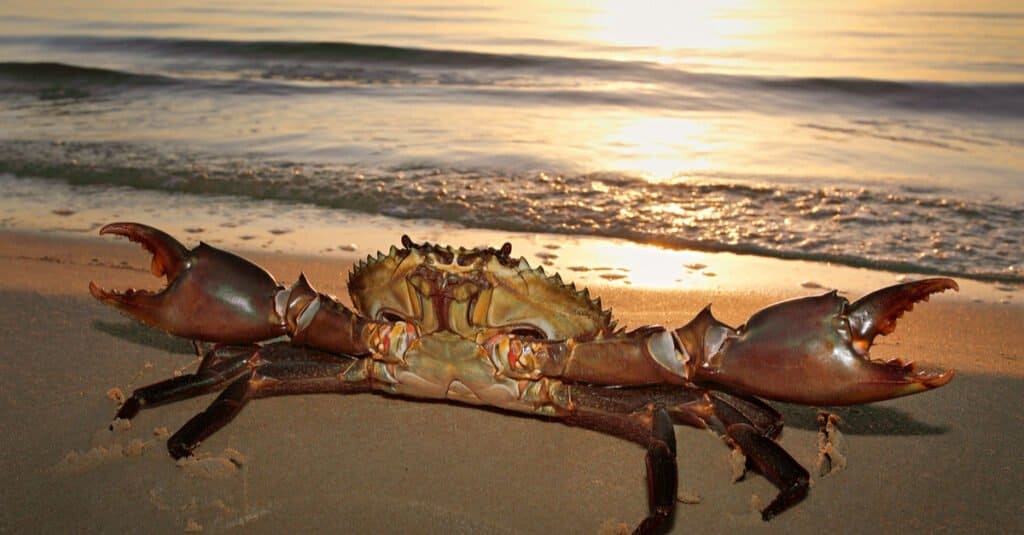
x,y
872,39
655,146
702,24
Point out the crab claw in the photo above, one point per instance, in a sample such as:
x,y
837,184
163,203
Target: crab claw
x,y
814,350
211,295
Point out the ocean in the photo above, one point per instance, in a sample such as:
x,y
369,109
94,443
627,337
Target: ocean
x,y
882,135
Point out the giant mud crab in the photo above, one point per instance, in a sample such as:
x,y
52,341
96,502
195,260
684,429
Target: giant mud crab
x,y
479,326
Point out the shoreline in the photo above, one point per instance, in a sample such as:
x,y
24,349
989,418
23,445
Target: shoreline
x,y
943,460
295,228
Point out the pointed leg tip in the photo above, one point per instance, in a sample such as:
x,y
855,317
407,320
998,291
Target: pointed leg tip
x,y
128,410
178,450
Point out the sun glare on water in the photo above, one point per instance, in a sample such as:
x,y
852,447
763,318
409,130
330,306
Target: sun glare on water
x,y
674,34
659,148
666,24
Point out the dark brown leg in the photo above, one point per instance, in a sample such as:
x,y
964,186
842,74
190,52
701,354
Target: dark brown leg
x,y
287,371
732,409
752,426
645,416
686,405
220,365
775,464
654,431
662,478
223,409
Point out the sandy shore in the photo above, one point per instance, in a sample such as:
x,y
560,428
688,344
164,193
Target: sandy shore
x,y
945,461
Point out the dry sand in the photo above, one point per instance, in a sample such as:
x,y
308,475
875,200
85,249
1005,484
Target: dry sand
x,y
945,461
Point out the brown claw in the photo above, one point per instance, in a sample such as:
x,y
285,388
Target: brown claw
x,y
168,253
814,350
211,295
877,312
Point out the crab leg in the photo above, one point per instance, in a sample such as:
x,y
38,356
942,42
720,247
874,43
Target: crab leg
x,y
774,464
271,370
650,427
220,365
216,296
645,415
733,409
752,425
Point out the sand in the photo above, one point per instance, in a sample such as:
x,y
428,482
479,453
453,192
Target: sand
x,y
944,461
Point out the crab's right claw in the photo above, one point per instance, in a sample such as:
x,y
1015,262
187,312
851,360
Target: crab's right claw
x,y
815,350
211,295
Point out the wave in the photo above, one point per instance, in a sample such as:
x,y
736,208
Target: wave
x,y
1005,99
892,228
305,51
49,80
258,66
50,72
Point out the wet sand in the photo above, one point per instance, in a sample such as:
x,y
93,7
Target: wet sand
x,y
943,461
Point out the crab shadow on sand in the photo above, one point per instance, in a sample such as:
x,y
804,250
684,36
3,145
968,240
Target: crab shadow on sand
x,y
138,333
869,419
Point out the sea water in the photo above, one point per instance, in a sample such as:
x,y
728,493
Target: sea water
x,y
874,135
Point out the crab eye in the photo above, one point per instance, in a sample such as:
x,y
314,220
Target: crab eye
x,y
529,333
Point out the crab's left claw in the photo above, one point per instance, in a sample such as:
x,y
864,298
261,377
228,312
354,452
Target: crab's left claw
x,y
211,295
814,350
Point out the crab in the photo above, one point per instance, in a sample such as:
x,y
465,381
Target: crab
x,y
481,327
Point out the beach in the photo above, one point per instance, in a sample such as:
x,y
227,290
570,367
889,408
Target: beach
x,y
943,461
666,157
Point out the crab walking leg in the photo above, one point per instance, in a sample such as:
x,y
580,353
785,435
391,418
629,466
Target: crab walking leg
x,y
747,424
774,464
751,425
662,477
220,365
731,409
651,428
278,370
644,416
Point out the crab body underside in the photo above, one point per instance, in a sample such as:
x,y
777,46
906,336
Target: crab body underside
x,y
478,326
